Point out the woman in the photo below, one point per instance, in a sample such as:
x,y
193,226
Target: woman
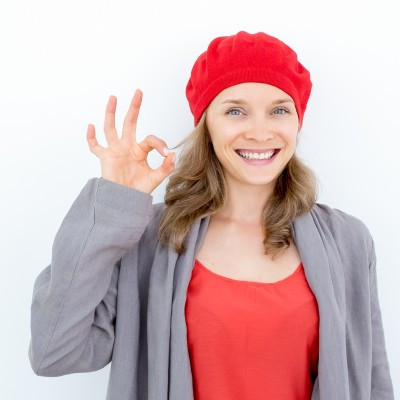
x,y
239,285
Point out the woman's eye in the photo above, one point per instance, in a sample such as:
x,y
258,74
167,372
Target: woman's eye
x,y
233,109
284,109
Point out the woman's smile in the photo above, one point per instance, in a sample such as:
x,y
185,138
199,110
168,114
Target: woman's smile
x,y
255,161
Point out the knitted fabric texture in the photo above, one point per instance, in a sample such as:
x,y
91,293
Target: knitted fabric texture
x,y
246,57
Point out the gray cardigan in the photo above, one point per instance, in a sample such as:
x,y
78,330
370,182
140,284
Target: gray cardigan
x,y
113,293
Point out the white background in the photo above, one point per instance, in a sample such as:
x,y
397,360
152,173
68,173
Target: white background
x,y
60,61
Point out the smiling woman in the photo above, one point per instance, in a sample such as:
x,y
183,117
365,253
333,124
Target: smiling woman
x,y
239,285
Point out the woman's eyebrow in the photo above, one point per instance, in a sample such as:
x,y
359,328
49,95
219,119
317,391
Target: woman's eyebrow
x,y
242,101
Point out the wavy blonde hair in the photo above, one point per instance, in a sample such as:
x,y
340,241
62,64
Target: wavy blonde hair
x,y
197,188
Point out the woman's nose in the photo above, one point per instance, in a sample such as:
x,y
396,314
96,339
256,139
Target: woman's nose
x,y
261,129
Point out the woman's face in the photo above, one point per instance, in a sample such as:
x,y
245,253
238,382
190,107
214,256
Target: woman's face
x,y
260,121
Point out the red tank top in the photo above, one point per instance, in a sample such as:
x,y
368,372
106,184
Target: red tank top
x,y
251,340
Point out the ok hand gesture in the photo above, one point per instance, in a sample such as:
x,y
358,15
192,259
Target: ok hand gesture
x,y
124,161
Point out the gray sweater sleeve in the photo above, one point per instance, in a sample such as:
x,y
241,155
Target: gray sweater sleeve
x,y
74,298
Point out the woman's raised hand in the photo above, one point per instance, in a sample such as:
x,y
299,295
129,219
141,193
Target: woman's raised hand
x,y
124,161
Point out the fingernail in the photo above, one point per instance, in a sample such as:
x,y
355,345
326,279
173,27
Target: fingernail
x,y
166,151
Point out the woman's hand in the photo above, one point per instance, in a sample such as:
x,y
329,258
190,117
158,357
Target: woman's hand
x,y
124,161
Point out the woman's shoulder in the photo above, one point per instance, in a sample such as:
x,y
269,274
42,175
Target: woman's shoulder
x,y
341,223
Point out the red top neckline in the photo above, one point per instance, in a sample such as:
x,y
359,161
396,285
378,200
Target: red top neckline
x,y
288,278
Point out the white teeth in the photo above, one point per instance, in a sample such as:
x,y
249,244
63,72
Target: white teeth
x,y
257,156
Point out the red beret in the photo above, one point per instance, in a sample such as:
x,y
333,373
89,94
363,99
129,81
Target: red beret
x,y
246,57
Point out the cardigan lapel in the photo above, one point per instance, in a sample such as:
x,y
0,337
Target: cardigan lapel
x,y
324,273
159,322
169,368
181,380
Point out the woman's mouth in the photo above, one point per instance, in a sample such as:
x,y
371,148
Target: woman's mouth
x,y
255,161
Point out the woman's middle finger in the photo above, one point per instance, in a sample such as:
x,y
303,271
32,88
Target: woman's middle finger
x,y
130,121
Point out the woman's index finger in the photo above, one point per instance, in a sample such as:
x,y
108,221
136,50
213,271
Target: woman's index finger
x,y
130,121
